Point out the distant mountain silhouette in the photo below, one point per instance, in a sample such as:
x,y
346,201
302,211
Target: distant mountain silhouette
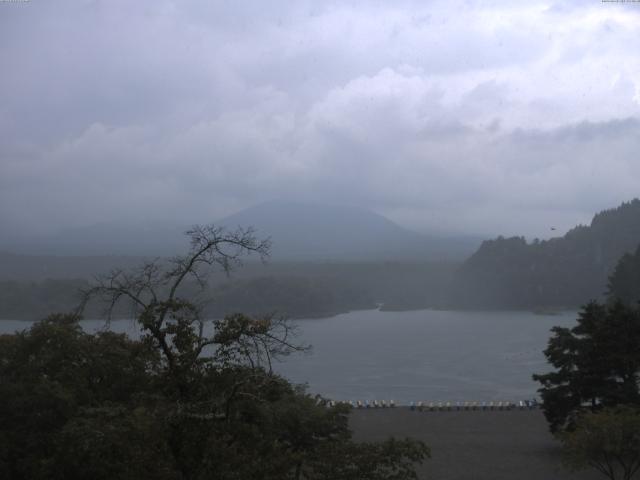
x,y
300,231
316,232
560,272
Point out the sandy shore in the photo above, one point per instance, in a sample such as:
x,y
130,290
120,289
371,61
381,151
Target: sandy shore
x,y
475,445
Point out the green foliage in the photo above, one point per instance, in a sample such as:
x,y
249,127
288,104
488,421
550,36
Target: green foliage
x,y
608,441
296,296
176,404
597,364
295,290
624,282
555,273
52,374
113,441
76,405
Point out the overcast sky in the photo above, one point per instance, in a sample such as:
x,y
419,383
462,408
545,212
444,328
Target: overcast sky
x,y
504,117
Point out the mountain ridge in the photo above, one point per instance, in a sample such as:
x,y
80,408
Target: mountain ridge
x,y
300,231
337,232
560,272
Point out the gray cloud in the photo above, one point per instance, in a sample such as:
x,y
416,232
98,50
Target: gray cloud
x,y
478,117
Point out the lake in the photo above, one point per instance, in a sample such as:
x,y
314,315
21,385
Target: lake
x,y
426,355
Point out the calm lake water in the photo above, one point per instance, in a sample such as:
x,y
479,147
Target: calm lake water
x,y
409,356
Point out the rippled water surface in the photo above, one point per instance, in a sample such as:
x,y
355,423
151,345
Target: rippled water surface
x,y
409,356
425,355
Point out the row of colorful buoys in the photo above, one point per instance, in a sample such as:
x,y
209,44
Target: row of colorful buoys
x,y
442,406
466,406
367,403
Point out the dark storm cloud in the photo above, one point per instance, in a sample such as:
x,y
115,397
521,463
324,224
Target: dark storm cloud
x,y
483,117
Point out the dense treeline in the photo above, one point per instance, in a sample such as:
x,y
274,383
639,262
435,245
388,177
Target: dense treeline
x,y
624,282
592,397
294,297
597,363
176,403
102,406
295,290
35,300
560,272
505,273
297,297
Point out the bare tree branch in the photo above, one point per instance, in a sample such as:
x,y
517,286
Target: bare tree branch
x,y
175,325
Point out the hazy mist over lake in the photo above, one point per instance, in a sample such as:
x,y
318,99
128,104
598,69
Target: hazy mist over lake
x,y
407,180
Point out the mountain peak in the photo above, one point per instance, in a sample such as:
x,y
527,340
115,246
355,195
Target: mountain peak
x,y
299,231
303,230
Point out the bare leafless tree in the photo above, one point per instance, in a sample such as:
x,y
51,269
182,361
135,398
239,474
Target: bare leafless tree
x,y
175,324
159,280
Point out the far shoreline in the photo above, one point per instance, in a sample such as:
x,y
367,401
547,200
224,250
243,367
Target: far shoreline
x,y
551,312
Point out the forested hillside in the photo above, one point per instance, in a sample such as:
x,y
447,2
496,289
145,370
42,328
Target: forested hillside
x,y
291,289
624,282
560,272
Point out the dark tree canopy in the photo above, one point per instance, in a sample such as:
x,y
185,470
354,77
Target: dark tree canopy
x,y
624,282
597,364
185,401
555,273
608,441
